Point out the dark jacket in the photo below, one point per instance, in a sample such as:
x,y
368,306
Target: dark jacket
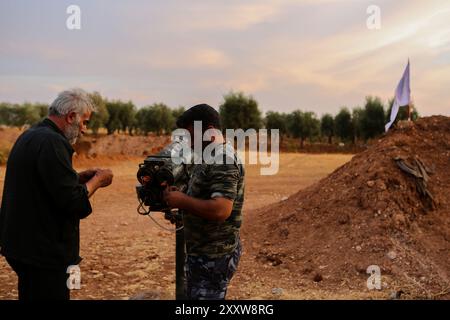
x,y
42,201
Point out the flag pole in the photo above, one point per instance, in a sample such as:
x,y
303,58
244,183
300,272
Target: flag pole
x,y
409,104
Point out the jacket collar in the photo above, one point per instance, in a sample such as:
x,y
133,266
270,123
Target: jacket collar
x,y
50,124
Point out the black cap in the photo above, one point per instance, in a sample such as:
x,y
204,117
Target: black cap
x,y
201,112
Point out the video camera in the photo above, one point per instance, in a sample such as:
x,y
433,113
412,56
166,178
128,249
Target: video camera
x,y
154,175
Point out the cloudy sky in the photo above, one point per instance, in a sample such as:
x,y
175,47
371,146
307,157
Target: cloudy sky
x,y
314,55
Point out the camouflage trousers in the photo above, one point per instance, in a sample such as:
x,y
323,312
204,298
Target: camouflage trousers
x,y
208,278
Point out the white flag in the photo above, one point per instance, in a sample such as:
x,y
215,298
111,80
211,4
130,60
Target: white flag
x,y
402,96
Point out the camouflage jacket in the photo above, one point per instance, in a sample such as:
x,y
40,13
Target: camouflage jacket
x,y
214,238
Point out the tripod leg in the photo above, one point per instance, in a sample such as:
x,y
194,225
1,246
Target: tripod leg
x,y
179,263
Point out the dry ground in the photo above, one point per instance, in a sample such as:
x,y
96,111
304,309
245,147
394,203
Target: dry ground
x,y
125,253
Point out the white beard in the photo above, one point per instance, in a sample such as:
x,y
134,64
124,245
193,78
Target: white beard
x,y
72,132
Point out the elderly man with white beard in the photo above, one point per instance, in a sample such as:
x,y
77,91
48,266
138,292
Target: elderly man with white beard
x,y
44,199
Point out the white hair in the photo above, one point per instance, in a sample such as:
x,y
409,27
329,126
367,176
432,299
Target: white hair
x,y
73,100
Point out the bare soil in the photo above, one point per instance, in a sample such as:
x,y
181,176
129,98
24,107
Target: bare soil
x,y
126,254
307,234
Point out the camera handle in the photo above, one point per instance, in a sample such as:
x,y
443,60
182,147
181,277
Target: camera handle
x,y
176,217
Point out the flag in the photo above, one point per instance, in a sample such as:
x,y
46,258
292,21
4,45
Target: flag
x,y
402,96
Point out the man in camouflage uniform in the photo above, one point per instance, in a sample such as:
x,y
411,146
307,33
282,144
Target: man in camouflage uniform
x,y
212,209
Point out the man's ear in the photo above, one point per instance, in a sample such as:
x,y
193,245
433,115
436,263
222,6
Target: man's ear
x,y
71,117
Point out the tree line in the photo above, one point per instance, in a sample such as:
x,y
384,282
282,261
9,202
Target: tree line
x,y
112,115
358,124
237,111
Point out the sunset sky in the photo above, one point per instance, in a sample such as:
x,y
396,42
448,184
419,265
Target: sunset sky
x,y
315,55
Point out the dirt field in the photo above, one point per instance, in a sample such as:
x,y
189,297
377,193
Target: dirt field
x,y
126,254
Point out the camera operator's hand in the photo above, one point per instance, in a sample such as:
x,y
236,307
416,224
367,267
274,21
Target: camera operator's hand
x,y
174,198
214,209
85,176
101,179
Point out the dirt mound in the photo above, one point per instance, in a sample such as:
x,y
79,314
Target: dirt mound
x,y
368,212
120,144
